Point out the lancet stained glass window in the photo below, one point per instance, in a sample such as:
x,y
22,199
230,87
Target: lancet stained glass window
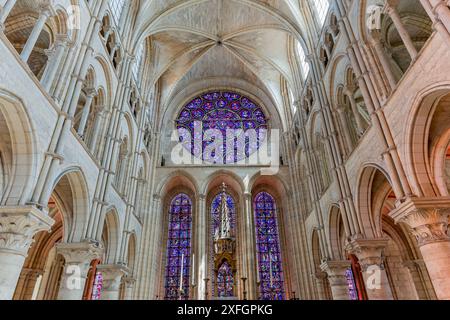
x,y
225,281
352,290
179,248
204,122
98,286
268,248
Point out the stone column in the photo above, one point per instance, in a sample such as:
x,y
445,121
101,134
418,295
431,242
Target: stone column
x,y
428,221
101,110
44,14
90,94
18,226
337,279
113,51
5,11
202,250
395,16
319,279
442,11
155,231
416,268
129,285
343,121
112,278
370,253
78,258
250,249
107,31
356,113
54,62
381,53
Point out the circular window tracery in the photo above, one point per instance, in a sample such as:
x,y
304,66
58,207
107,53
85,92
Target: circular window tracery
x,y
222,127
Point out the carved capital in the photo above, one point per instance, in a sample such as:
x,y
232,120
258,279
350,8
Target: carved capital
x,y
46,8
18,226
370,252
129,282
112,276
62,39
50,52
91,92
426,218
428,225
81,254
336,271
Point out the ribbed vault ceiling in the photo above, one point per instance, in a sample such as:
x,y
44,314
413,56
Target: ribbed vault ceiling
x,y
201,40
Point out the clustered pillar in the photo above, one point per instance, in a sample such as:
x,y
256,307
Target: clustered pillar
x,y
18,226
370,253
337,279
429,225
78,258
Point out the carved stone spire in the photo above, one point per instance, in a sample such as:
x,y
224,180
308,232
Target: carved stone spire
x,y
225,219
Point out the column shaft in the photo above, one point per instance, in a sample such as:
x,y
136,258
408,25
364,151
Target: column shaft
x,y
17,229
337,279
9,5
409,44
370,254
86,111
37,29
54,63
78,258
428,220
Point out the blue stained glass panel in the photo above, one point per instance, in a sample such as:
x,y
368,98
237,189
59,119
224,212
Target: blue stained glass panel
x,y
179,248
268,248
352,290
225,281
98,286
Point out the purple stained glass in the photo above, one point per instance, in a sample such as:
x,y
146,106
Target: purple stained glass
x,y
351,284
268,248
98,286
179,248
225,281
205,124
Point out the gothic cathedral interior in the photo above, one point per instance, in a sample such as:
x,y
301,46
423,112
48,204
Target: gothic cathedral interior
x,y
224,149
